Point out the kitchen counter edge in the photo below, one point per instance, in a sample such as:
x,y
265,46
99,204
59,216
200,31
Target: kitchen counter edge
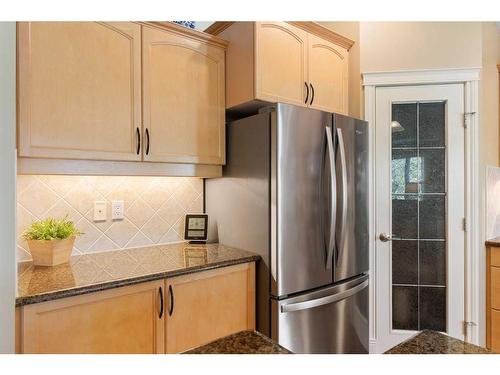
x,y
63,293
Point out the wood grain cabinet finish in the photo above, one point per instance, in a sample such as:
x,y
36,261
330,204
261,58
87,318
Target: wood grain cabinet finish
x,y
99,97
300,63
164,316
328,75
280,62
184,101
493,298
204,306
79,90
121,320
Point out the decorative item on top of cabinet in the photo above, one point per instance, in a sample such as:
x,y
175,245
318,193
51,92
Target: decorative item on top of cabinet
x,y
300,63
81,90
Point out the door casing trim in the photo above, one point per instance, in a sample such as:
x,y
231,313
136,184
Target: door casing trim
x,y
470,77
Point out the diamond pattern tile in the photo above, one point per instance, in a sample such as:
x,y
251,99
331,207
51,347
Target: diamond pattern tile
x,y
121,232
139,212
155,228
154,208
38,198
171,211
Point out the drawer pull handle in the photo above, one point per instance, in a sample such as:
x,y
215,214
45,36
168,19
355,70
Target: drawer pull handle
x,y
171,294
138,141
160,292
307,92
312,93
147,142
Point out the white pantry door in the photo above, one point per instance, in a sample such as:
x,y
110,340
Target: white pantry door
x,y
420,211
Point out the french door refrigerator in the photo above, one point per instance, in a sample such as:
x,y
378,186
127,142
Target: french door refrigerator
x,y
295,191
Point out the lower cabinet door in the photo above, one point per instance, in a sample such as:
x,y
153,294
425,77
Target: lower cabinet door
x,y
495,330
204,306
122,320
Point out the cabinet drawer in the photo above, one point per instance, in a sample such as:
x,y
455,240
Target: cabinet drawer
x,y
495,288
495,256
495,331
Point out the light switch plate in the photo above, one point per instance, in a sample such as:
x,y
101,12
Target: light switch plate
x,y
117,210
100,211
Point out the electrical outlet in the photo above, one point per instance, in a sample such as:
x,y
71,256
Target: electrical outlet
x,y
117,210
100,211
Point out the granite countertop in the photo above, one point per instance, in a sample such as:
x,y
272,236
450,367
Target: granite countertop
x,y
106,270
244,342
493,242
432,342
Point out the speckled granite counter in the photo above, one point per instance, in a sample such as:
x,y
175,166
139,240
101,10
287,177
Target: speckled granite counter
x,y
493,242
106,270
244,342
431,342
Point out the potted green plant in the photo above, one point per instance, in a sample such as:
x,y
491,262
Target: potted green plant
x,y
50,241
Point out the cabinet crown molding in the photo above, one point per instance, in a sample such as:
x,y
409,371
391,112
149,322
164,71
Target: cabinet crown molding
x,y
199,35
311,27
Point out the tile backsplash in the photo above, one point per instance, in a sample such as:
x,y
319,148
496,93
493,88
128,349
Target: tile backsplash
x,y
154,208
492,202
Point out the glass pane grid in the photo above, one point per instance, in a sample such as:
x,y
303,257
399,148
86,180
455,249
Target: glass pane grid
x,y
418,216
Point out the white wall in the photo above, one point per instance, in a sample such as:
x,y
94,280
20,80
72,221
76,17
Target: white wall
x,y
7,183
419,45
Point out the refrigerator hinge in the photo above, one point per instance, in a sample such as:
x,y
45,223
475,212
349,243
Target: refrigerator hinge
x,y
464,224
467,118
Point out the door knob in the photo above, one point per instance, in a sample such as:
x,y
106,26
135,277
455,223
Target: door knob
x,y
384,237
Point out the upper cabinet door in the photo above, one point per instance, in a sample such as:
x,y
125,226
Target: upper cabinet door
x,y
79,90
328,75
280,62
184,101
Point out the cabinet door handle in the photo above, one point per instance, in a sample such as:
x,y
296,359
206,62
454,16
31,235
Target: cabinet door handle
x,y
160,292
147,141
171,294
312,93
138,141
307,92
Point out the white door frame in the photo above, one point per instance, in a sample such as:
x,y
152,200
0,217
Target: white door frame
x,y
7,185
470,78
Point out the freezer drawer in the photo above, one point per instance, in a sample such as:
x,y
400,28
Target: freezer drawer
x,y
330,320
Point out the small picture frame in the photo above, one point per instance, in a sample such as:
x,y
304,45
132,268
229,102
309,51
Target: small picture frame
x,y
196,228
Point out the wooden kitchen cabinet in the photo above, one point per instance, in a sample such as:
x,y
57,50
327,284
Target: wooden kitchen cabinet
x,y
280,62
163,316
79,89
184,101
99,97
328,75
493,298
205,306
121,320
300,63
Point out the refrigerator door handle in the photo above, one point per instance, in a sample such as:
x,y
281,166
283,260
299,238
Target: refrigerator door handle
x,y
343,216
324,300
333,208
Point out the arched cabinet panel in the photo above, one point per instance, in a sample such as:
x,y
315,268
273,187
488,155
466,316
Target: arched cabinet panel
x,y
79,90
184,107
281,63
328,74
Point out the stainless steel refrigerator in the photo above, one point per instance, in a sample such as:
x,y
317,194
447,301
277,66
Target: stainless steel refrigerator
x,y
295,191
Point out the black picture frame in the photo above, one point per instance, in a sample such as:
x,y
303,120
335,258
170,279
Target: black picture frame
x,y
195,239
